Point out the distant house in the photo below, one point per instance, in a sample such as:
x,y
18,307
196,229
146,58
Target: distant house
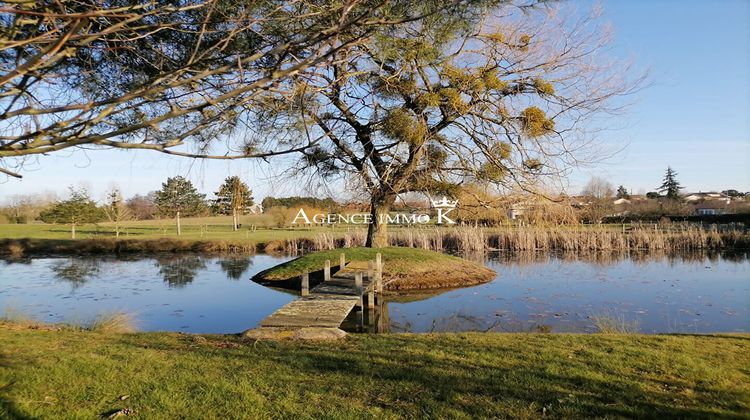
x,y
256,208
515,211
620,201
711,207
702,196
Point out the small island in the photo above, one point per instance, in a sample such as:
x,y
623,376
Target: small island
x,y
404,269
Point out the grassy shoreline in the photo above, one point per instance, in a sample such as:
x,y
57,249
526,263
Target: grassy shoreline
x,y
168,375
404,269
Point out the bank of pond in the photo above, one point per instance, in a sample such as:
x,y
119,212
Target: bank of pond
x,y
676,292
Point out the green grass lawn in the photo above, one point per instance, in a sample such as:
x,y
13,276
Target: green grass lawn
x,y
199,228
404,269
81,374
399,260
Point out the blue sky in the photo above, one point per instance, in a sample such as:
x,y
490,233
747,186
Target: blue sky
x,y
693,116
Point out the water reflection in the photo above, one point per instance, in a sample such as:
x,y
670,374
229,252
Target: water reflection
x,y
76,271
693,292
190,293
641,257
235,267
179,271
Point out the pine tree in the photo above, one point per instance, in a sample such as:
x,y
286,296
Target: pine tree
x,y
79,208
670,187
178,197
622,192
234,196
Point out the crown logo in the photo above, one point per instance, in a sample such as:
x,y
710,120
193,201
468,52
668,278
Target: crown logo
x,y
444,203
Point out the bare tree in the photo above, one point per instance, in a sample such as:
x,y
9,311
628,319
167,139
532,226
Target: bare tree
x,y
503,97
599,193
142,207
168,76
598,188
115,209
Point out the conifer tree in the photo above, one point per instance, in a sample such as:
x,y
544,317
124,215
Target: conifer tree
x,y
234,196
670,187
178,197
77,209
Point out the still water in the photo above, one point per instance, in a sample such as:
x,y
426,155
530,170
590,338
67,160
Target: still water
x,y
693,293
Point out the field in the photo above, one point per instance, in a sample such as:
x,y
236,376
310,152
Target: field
x,y
257,233
83,374
194,228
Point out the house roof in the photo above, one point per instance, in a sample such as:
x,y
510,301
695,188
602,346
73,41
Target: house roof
x,y
711,204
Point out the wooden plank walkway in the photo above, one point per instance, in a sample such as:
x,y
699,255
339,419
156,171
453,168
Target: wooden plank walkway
x,y
327,304
312,312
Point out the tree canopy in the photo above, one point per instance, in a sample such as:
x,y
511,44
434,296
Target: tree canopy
x,y
172,76
670,187
435,104
622,192
291,202
178,196
79,208
233,196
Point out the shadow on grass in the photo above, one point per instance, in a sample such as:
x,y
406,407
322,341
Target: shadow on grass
x,y
8,409
476,389
407,376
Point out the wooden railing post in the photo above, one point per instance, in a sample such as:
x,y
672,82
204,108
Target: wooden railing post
x,y
342,261
358,287
327,271
370,271
305,289
371,299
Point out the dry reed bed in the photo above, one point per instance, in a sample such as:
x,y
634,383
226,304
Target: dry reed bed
x,y
469,239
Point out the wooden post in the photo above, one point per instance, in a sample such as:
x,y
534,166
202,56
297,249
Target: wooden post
x,y
305,283
358,287
379,283
327,271
370,271
378,262
342,261
371,299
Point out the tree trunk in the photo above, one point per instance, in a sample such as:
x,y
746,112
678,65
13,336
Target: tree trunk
x,y
234,220
72,231
377,231
179,228
117,229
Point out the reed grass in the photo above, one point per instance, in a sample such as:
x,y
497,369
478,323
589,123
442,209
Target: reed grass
x,y
115,323
580,240
614,324
107,322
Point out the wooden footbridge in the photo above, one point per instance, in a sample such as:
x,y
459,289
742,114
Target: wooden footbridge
x,y
329,303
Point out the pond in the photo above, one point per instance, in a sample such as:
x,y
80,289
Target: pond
x,y
692,293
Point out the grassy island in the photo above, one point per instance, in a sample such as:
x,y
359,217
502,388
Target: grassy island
x,y
47,373
404,269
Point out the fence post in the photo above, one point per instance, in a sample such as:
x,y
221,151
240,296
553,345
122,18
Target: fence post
x,y
378,262
327,271
370,271
305,290
342,261
371,299
358,287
